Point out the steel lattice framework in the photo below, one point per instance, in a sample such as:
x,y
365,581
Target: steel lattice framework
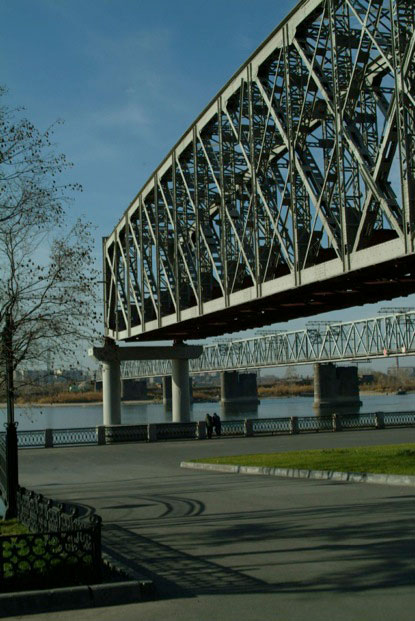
x,y
291,194
390,335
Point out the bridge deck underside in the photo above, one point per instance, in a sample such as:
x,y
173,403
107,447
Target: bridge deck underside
x,y
292,194
382,282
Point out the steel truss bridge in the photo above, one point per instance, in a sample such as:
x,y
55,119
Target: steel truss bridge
x,y
389,335
291,194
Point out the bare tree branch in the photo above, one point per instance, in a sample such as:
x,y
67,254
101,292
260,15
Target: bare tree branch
x,y
48,280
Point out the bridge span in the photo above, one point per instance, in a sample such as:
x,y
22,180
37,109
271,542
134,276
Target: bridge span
x,y
292,193
378,337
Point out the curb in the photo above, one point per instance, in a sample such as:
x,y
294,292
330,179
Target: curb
x,y
132,588
325,475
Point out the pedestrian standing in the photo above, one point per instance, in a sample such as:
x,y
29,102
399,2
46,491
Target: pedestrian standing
x,y
217,424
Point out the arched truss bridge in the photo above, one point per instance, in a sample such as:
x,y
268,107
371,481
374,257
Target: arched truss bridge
x,y
290,195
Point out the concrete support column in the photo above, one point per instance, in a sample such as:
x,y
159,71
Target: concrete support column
x,y
151,432
180,390
48,438
110,356
166,382
336,422
335,387
294,425
238,388
100,435
111,392
167,391
248,428
201,430
379,420
134,389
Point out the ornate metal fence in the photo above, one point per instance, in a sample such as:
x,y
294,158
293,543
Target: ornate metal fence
x,y
65,543
57,437
169,431
233,428
74,436
123,433
173,431
31,438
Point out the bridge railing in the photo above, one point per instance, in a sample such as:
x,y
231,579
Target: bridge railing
x,y
153,432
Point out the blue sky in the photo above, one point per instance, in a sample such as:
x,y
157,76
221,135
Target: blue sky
x,y
128,77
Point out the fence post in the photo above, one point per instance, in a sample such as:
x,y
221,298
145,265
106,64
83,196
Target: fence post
x,y
151,432
48,438
336,422
100,429
248,428
96,523
379,420
10,478
294,425
201,430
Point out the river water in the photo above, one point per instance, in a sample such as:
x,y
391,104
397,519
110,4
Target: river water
x,y
67,416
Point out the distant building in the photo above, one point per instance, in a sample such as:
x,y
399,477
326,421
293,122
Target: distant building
x,y
71,375
49,376
407,372
367,379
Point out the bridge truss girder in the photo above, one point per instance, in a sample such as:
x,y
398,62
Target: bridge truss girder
x,y
293,193
379,337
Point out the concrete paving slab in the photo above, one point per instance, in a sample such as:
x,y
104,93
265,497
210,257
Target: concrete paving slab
x,y
241,548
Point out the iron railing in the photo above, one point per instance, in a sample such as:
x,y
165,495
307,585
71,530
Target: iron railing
x,y
65,539
196,430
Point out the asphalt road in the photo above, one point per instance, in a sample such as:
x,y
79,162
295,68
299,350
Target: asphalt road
x,y
238,547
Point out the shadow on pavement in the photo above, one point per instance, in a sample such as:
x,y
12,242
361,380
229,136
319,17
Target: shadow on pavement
x,y
333,549
175,573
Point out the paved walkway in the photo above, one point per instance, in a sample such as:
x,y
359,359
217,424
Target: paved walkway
x,y
242,547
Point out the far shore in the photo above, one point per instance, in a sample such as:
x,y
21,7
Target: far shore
x,y
40,404
36,404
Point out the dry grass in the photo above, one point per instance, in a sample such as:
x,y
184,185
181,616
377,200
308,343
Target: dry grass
x,y
284,390
206,394
62,397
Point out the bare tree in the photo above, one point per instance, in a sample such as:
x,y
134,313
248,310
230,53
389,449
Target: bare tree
x,y
48,282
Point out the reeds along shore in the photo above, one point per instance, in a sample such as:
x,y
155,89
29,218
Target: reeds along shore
x,y
60,397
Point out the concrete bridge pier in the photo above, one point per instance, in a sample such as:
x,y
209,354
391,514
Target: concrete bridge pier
x,y
167,391
111,392
166,384
111,356
180,394
238,388
335,387
133,389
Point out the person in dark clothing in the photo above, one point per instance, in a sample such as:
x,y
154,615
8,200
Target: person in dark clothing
x,y
217,424
209,425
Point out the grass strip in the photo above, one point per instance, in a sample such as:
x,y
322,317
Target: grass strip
x,y
389,459
12,527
